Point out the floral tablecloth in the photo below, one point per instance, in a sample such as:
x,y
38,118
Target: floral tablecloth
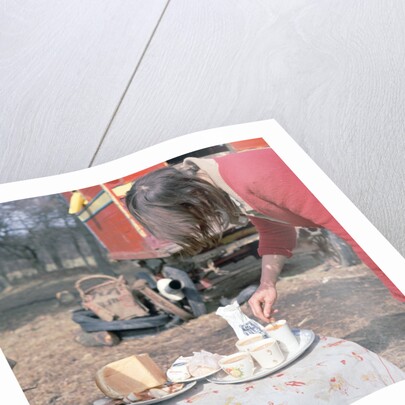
x,y
331,371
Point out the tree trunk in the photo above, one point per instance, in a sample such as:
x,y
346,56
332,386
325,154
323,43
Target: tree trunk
x,y
103,265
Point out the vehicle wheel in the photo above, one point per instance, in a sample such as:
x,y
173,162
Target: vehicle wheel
x,y
134,334
89,322
194,298
338,250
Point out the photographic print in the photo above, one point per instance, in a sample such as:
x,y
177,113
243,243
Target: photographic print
x,y
217,274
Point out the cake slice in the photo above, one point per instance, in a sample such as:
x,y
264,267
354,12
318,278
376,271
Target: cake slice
x,y
133,374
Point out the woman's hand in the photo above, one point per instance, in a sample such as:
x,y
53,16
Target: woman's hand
x,y
262,301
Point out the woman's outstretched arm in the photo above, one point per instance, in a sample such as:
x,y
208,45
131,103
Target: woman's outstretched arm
x,y
263,299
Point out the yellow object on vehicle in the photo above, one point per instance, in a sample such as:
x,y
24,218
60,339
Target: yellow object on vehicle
x,y
77,202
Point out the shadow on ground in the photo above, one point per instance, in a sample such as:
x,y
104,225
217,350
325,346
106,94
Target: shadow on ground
x,y
380,332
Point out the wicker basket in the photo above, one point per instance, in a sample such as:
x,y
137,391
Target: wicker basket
x,y
110,300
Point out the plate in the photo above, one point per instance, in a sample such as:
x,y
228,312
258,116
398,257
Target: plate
x,y
156,400
305,338
197,378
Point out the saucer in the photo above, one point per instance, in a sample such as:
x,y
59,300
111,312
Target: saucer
x,y
305,338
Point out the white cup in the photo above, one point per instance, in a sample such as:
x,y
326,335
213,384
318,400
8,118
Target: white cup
x,y
282,333
238,365
244,343
267,353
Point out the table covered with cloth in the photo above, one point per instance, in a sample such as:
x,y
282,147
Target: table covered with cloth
x,y
331,371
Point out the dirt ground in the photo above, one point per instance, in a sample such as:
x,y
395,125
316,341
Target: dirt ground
x,y
52,368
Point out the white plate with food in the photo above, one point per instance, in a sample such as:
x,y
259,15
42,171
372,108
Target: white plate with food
x,y
201,377
305,338
185,388
197,367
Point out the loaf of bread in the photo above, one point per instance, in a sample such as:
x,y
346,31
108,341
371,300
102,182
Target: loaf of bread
x,y
130,375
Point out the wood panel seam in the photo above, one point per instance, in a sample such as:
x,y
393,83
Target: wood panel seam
x,y
128,85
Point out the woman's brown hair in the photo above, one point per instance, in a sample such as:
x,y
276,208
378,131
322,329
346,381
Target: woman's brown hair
x,y
178,206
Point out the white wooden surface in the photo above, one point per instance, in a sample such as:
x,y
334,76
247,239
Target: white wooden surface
x,y
64,65
329,71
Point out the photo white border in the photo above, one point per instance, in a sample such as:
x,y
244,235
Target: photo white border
x,y
10,390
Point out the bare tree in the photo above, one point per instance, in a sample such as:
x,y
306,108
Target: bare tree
x,y
40,234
